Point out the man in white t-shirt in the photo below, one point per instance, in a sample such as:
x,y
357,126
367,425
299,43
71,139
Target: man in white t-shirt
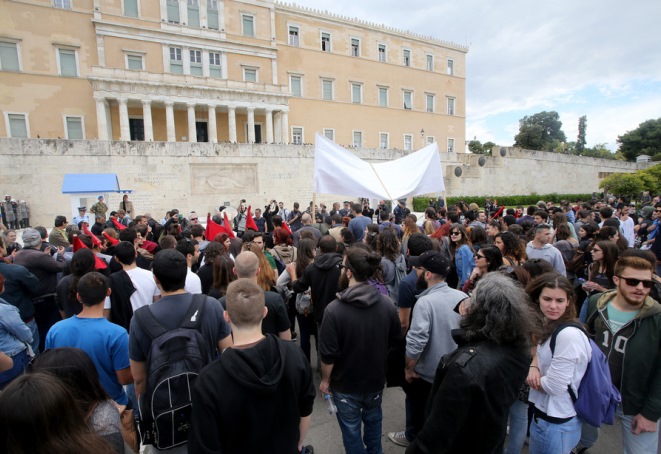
x,y
191,250
627,226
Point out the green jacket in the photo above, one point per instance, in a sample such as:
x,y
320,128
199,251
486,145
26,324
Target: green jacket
x,y
641,372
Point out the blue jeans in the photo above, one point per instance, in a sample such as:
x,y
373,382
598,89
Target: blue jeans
x,y
21,361
354,409
549,438
35,335
518,420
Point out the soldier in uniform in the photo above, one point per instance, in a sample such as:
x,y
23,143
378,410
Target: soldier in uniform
x,y
82,217
100,207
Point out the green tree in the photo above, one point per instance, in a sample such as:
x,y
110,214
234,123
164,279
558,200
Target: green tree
x,y
652,178
582,127
623,184
541,131
475,146
487,147
599,151
645,139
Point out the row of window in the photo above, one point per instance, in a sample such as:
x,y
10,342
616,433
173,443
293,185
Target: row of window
x,y
384,139
66,58
328,89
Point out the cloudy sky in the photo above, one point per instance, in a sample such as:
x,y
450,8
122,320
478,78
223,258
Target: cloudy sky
x,y
600,58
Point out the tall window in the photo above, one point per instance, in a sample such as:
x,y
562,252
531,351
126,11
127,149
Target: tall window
x,y
450,67
17,125
358,139
176,63
212,14
249,75
74,126
383,96
193,13
450,106
297,136
356,93
383,140
326,42
430,62
408,100
64,4
355,47
195,62
431,140
215,69
430,103
296,85
330,134
450,145
382,52
248,25
9,56
327,89
131,8
67,60
173,11
407,57
408,142
293,36
134,62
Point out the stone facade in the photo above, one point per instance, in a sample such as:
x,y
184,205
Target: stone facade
x,y
202,176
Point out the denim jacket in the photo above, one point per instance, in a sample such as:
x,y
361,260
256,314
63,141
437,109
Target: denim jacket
x,y
465,262
14,334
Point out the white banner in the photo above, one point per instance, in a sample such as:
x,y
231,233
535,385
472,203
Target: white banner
x,y
338,171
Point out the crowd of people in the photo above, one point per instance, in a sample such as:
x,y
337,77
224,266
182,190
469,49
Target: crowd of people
x,y
188,326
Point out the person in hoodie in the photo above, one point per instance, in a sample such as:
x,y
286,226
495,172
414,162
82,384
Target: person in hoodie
x,y
357,330
258,395
540,248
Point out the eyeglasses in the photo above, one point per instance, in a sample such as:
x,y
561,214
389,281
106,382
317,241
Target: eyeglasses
x,y
632,282
455,233
657,211
193,219
478,256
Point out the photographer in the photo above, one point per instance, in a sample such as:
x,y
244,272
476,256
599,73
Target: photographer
x,y
367,211
270,210
240,219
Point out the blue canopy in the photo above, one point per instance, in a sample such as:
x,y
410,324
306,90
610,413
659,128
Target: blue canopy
x,y
85,183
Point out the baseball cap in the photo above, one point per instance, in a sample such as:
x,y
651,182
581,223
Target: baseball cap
x,y
31,237
432,261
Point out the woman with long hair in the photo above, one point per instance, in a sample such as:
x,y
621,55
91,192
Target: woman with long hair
x,y
307,250
512,249
600,272
75,368
487,259
409,227
205,272
478,237
564,242
555,428
612,233
387,246
37,416
461,252
283,246
223,275
371,234
267,276
83,262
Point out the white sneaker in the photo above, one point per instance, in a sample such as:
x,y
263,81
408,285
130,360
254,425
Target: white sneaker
x,y
399,438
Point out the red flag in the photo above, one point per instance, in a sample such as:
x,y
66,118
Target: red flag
x,y
95,240
228,226
99,263
250,222
499,212
213,229
117,224
113,241
286,227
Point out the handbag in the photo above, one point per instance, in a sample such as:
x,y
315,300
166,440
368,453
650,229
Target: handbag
x,y
304,303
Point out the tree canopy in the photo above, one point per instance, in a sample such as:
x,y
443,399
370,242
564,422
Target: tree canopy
x,y
541,131
632,184
645,139
477,147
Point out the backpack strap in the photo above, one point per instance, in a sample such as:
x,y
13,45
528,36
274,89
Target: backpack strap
x,y
149,324
554,336
193,317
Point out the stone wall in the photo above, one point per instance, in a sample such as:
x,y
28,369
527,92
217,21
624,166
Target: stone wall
x,y
202,176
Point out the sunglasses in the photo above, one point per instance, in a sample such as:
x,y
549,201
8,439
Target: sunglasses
x,y
478,256
193,219
455,233
631,282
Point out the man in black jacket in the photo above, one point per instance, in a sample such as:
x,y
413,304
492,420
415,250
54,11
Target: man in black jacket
x,y
357,331
262,385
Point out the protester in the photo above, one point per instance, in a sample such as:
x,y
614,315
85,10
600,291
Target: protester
x,y
461,252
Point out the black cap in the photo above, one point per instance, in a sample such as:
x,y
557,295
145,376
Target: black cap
x,y
82,208
432,261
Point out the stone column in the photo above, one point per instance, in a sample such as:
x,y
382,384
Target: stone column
x,y
125,132
146,118
192,131
269,125
213,133
101,119
251,125
169,121
231,123
277,127
285,127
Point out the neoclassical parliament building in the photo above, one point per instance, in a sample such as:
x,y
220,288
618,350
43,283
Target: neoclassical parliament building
x,y
240,71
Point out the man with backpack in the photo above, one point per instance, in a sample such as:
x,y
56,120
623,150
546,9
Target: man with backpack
x,y
626,324
170,342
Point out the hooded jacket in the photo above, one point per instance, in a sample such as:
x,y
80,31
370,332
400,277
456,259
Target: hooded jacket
x,y
357,331
286,254
322,278
252,399
640,368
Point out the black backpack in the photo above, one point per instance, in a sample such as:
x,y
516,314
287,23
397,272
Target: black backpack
x,y
174,362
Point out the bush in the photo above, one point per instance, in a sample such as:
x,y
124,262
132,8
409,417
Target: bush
x,y
420,203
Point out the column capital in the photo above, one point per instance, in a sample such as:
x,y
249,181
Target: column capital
x,y
232,108
268,110
168,103
212,106
122,100
250,109
100,98
146,102
191,104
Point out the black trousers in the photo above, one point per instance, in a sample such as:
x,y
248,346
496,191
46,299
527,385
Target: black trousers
x,y
46,315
